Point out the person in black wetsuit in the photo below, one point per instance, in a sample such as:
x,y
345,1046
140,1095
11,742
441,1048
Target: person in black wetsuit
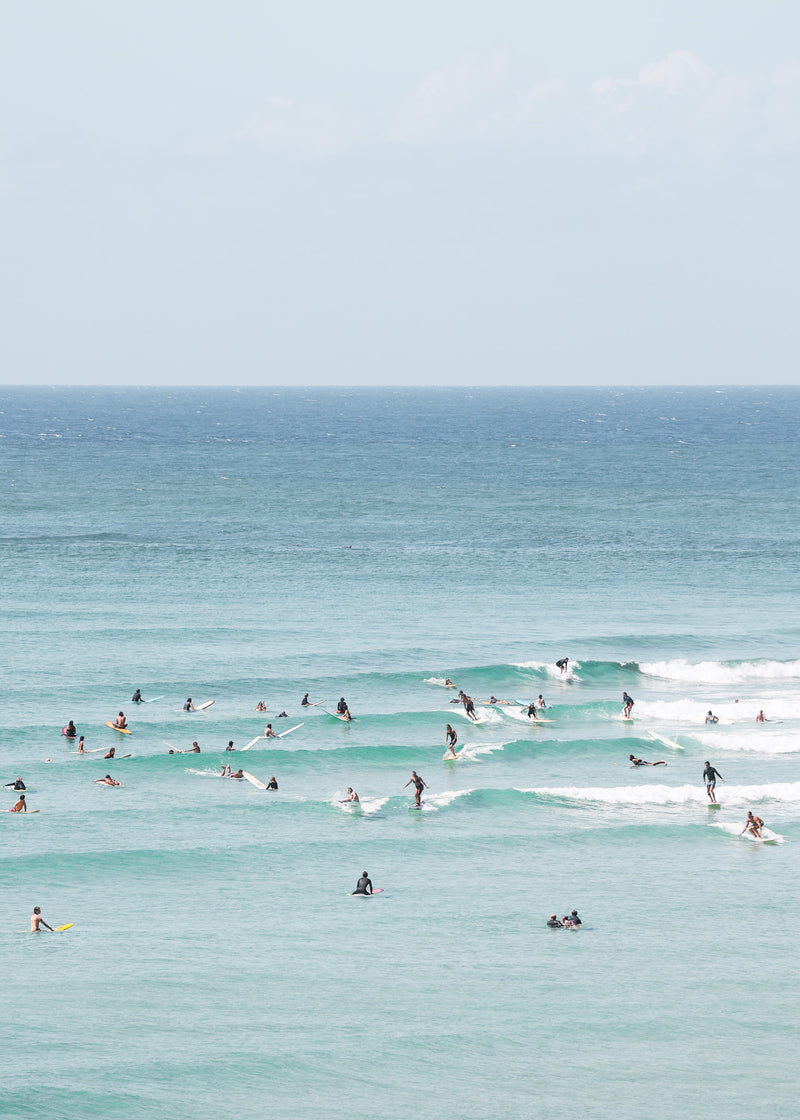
x,y
305,702
364,885
137,697
562,664
710,776
530,711
189,706
554,923
574,920
627,704
450,739
272,784
17,784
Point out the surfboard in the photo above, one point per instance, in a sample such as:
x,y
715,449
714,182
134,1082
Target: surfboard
x,y
253,781
60,929
291,729
252,742
759,839
152,700
339,716
22,812
362,894
448,757
667,742
93,750
714,805
119,756
202,707
122,730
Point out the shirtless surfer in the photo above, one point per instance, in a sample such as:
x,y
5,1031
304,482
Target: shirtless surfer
x,y
120,722
753,824
20,807
643,762
351,796
107,781
37,921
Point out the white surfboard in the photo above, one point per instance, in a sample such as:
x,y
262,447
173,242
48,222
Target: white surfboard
x,y
666,742
290,730
252,743
448,757
152,700
253,781
202,707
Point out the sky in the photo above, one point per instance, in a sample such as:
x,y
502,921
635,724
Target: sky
x,y
439,193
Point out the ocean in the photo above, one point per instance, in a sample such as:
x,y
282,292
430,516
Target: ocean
x,y
252,545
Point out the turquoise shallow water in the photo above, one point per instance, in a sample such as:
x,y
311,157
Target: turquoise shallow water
x,y
254,545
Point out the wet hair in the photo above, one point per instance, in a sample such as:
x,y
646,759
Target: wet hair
x,y
365,874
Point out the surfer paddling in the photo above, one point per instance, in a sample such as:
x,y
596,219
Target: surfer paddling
x,y
710,776
107,781
450,740
644,762
419,785
37,921
562,664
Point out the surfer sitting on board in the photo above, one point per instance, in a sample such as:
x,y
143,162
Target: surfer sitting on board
x,y
20,807
364,885
260,707
189,706
70,730
643,762
753,824
627,704
710,776
37,921
540,701
80,745
269,733
351,796
230,745
305,702
272,783
107,781
419,785
450,739
343,710
137,697
16,784
120,721
711,718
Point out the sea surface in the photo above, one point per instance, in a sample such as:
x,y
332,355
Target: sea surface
x,y
254,545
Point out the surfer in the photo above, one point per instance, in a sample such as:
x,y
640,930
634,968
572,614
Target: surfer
x,y
562,664
627,704
70,730
20,807
643,762
260,707
351,796
710,776
419,785
282,715
469,708
112,751
195,748
272,783
107,781
753,824
37,921
189,706
80,745
364,885
450,739
761,718
574,920
230,745
448,683
137,697
540,701
711,718
343,709
554,923
120,722
233,773
530,711
16,784
269,733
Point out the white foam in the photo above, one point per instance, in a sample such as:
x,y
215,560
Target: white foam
x,y
552,670
434,801
364,805
672,795
720,672
484,715
759,740
437,680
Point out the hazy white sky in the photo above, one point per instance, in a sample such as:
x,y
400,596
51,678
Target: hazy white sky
x,y
504,192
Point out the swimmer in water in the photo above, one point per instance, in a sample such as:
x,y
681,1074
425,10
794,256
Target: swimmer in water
x,y
450,739
112,751
642,762
540,701
364,885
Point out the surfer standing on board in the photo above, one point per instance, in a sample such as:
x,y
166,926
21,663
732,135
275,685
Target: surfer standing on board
x,y
642,762
627,704
450,739
530,711
419,785
710,776
753,824
562,664
469,708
